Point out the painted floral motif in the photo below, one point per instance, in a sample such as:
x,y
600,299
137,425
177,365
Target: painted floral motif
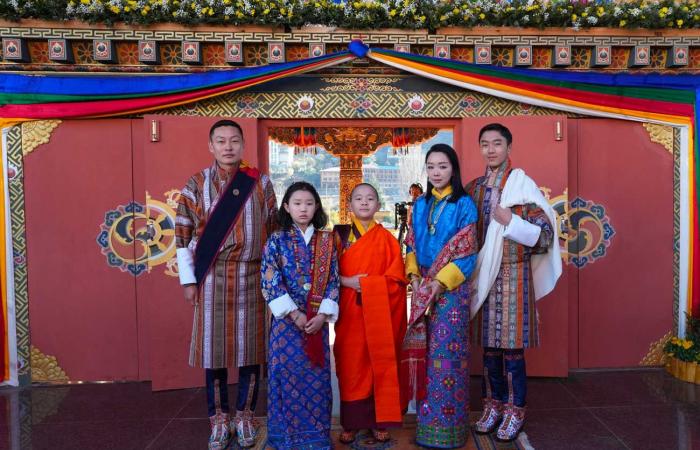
x,y
214,54
171,54
297,52
416,104
658,57
305,104
128,53
525,108
502,57
620,56
580,57
425,50
470,103
465,54
39,52
361,104
82,51
255,54
694,58
541,57
247,104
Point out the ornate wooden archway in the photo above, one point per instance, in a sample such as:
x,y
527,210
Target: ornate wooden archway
x,y
350,145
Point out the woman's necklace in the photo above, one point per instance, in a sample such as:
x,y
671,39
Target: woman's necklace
x,y
298,256
432,223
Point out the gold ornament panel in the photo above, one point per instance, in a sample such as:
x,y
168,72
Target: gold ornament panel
x,y
36,133
660,134
656,355
358,105
45,368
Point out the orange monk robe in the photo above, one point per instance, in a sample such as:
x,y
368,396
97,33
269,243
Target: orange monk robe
x,y
369,333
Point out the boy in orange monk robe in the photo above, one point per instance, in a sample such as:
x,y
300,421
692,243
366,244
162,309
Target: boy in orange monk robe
x,y
371,324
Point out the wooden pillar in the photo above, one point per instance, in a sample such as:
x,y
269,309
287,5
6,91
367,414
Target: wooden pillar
x,y
350,176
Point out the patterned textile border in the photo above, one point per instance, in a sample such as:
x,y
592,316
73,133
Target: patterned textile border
x,y
502,45
345,36
344,105
676,221
19,250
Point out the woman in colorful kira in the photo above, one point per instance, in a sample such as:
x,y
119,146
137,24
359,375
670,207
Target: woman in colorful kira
x,y
441,255
301,285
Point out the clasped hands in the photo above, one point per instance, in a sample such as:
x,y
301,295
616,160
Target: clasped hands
x,y
435,287
309,326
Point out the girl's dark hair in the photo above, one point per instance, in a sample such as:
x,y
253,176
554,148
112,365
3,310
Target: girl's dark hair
x,y
320,219
456,179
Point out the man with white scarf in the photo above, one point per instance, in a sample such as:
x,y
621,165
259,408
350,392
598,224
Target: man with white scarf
x,y
519,262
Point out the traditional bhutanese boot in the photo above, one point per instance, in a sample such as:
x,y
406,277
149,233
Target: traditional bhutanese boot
x,y
245,430
493,392
514,412
490,417
220,435
512,425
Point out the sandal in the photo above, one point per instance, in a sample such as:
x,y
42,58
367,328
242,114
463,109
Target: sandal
x,y
381,435
347,437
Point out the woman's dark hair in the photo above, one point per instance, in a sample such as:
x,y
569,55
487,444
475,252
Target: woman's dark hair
x,y
456,178
320,219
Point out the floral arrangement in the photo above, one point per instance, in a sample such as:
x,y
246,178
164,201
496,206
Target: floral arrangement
x,y
369,14
683,349
684,354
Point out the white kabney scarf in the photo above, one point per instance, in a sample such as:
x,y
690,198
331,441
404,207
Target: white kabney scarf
x,y
546,268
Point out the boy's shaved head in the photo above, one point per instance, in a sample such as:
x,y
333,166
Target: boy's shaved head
x,y
364,184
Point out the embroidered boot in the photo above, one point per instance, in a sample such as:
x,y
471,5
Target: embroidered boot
x,y
512,425
514,413
493,391
490,417
220,433
245,430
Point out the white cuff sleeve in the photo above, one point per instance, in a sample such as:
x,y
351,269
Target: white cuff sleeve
x,y
330,309
281,306
185,266
522,231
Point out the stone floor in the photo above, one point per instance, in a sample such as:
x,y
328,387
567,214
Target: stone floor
x,y
636,409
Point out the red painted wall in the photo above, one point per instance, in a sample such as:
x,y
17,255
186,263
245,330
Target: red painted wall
x,y
625,300
80,310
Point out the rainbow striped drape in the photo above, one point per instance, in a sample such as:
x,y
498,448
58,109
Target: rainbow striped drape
x,y
664,99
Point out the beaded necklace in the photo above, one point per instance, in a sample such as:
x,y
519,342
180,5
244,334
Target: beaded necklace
x,y
432,223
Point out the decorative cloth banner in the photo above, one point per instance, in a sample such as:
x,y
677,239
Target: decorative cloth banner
x,y
25,97
665,99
